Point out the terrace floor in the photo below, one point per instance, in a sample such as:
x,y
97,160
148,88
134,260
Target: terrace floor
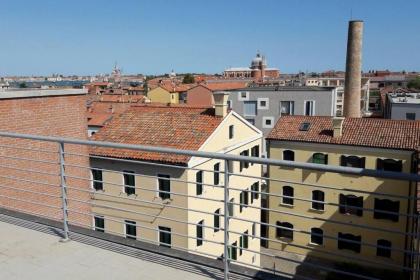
x,y
30,253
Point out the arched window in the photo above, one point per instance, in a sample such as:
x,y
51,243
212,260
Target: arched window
x,y
389,165
317,236
318,197
284,230
287,195
320,158
288,155
353,161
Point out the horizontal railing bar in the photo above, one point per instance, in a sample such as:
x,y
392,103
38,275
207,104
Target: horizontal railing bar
x,y
30,159
30,191
28,149
28,201
150,241
143,213
155,229
29,170
214,155
136,162
325,187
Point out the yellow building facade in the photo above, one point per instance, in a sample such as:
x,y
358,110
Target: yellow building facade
x,y
161,95
343,218
190,217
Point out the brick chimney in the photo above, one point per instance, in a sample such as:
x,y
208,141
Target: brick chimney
x,y
220,103
337,126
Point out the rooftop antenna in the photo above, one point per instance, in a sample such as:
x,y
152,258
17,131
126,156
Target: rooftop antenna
x,y
351,13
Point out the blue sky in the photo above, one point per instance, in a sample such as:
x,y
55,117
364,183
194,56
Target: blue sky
x,y
86,37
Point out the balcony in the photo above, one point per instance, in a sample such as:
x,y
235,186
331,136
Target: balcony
x,y
128,218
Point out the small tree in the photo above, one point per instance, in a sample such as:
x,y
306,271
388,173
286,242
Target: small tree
x,y
414,83
23,85
188,79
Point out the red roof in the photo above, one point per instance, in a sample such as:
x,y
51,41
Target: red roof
x,y
178,127
98,119
225,85
368,132
121,98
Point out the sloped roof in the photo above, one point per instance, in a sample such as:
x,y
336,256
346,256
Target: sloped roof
x,y
178,127
367,132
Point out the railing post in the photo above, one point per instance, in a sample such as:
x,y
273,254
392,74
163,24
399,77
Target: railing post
x,y
63,193
226,220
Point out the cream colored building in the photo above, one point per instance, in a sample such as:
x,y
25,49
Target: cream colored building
x,y
190,217
162,95
317,213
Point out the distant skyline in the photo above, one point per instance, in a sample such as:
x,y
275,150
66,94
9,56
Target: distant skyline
x,y
153,37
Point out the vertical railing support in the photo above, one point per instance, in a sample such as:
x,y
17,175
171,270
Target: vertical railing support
x,y
63,194
226,221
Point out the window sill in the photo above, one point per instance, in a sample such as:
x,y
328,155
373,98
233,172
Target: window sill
x,y
316,245
98,191
317,210
287,205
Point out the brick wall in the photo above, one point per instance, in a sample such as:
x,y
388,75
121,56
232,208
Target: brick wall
x,y
63,116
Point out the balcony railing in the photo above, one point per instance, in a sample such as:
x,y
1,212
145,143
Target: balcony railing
x,y
234,219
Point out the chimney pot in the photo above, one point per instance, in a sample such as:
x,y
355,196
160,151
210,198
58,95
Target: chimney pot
x,y
337,126
220,103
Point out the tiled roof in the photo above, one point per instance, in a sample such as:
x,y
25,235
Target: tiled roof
x,y
178,127
121,98
225,85
367,132
98,119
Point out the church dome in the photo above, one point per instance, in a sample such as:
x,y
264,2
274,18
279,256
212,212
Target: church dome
x,y
257,60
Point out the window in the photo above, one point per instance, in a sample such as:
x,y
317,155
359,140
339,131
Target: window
x,y
309,108
216,174
164,183
243,95
349,242
229,103
320,158
200,233
351,204
255,152
232,251
99,223
287,195
284,230
97,183
250,108
386,209
319,197
254,230
129,183
243,242
243,197
130,229
317,236
243,164
199,182
410,116
304,126
165,239
262,103
353,161
231,131
231,207
389,165
251,121
268,122
255,188
288,155
287,108
216,223
383,248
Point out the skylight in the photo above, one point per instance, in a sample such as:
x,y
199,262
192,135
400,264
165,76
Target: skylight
x,y
304,126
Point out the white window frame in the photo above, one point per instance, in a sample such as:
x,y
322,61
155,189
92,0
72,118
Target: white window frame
x,y
240,98
158,234
93,221
313,107
157,182
259,107
256,108
264,125
125,229
229,104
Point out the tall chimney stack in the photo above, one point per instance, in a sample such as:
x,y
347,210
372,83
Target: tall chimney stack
x,y
352,86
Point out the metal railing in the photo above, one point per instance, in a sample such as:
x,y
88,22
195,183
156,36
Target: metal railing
x,y
74,196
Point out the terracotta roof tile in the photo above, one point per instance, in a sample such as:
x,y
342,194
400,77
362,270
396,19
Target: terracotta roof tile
x,y
367,132
177,127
